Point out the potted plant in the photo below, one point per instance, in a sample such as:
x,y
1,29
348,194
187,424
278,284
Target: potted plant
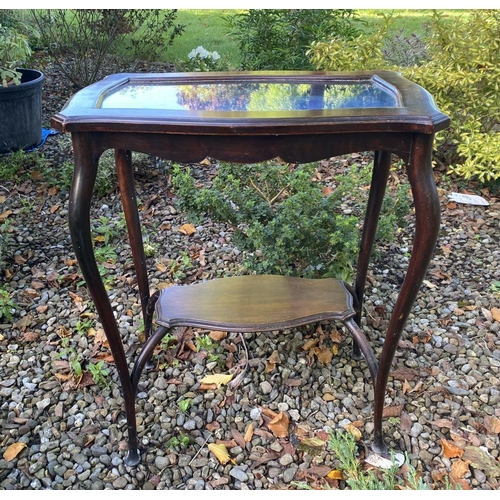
x,y
20,88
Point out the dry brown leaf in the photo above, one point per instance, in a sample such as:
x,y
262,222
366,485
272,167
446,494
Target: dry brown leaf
x,y
238,437
442,422
217,335
54,208
459,468
482,460
406,387
392,411
268,412
207,387
13,450
24,322
279,425
310,344
313,446
187,229
248,433
4,215
30,336
19,259
213,426
324,355
220,452
450,450
495,312
218,379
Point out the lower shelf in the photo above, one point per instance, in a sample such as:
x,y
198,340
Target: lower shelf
x,y
254,303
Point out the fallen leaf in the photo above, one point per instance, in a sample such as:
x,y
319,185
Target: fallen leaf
x,y
459,468
319,470
248,433
442,422
279,425
13,450
406,387
272,361
480,459
4,215
218,379
213,426
24,322
31,336
450,450
392,411
495,312
323,354
220,452
238,437
207,387
187,229
313,446
54,208
19,259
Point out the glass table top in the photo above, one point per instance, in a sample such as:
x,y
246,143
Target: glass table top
x,y
250,96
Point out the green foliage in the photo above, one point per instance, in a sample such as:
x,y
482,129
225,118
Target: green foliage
x,y
6,305
72,355
462,72
15,48
184,404
277,39
281,217
344,445
104,40
180,441
99,374
201,59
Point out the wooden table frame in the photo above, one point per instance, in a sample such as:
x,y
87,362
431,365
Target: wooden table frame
x,y
296,137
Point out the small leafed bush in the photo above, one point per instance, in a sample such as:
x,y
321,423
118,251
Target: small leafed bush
x,y
285,221
277,39
461,71
87,44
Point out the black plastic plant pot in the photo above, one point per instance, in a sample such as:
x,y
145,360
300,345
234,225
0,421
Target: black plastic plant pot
x,y
21,113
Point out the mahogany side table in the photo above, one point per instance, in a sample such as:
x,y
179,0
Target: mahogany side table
x,y
249,117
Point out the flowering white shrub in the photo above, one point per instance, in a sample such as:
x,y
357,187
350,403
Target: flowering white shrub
x,y
201,59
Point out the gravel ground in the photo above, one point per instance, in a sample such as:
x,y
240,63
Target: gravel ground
x,y
443,395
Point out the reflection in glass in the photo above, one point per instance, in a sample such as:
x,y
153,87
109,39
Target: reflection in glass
x,y
251,96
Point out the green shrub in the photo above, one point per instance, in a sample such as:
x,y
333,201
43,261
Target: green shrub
x,y
87,44
462,73
277,39
284,220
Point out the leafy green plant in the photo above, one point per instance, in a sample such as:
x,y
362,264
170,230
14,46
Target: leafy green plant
x,y
99,373
15,48
74,358
462,72
277,39
104,40
184,404
180,267
6,305
344,445
282,219
180,441
201,59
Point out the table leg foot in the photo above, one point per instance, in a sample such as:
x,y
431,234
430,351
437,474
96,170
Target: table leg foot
x,y
133,457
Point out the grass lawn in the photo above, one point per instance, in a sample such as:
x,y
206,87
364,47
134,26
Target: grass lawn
x,y
206,27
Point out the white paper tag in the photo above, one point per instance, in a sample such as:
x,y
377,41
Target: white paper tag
x,y
469,199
